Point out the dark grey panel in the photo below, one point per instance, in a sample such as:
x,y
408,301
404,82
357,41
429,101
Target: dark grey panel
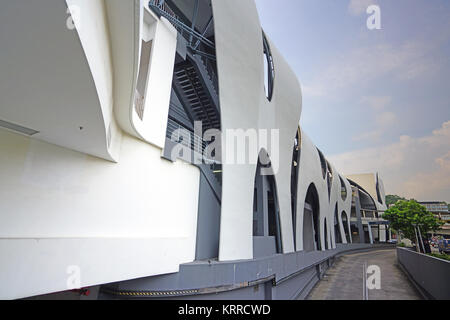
x,y
208,226
430,275
291,276
264,247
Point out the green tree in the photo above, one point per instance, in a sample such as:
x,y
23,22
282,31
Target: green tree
x,y
392,199
405,214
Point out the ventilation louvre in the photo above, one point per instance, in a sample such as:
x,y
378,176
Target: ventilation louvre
x,y
17,128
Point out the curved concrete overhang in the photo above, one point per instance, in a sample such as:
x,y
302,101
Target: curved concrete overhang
x,y
345,206
131,24
125,23
380,187
370,183
48,84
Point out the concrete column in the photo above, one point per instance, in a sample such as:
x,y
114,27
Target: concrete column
x,y
370,234
359,221
382,233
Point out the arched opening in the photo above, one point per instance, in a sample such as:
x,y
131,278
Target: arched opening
x,y
266,212
337,229
345,226
311,214
344,192
294,180
325,235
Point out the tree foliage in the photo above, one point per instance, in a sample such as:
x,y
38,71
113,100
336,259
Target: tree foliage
x,y
392,199
405,214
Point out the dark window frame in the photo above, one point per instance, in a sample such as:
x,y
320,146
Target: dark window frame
x,y
270,69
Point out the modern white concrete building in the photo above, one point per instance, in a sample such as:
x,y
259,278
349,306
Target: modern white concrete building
x,y
113,177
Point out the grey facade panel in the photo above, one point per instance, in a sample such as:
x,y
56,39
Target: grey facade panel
x,y
208,225
430,275
283,276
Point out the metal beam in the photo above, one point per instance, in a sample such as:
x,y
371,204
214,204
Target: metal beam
x,y
194,20
204,32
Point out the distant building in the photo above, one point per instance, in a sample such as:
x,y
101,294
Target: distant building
x,y
440,210
436,207
368,206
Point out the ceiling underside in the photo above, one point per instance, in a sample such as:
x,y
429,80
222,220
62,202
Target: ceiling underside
x,y
46,82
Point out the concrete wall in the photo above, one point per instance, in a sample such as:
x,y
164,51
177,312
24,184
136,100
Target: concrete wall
x,y
60,208
431,275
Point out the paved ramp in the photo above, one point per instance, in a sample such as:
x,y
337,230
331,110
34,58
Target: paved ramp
x,y
344,281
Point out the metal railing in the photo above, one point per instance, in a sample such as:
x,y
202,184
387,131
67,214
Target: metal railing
x,y
212,74
186,137
161,8
162,5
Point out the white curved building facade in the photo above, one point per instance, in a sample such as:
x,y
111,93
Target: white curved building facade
x,y
109,119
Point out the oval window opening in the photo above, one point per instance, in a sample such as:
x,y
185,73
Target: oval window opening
x,y
269,70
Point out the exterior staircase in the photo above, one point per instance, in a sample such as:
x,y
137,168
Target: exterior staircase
x,y
196,88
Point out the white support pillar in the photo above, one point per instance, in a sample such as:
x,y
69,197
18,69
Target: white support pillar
x,y
382,233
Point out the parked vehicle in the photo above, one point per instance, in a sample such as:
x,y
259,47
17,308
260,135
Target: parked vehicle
x,y
444,246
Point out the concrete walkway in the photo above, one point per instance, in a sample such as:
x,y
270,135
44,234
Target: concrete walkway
x,y
344,281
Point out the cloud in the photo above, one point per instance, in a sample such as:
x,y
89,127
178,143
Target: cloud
x,y
359,7
383,120
374,135
416,168
374,63
435,181
312,91
377,103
